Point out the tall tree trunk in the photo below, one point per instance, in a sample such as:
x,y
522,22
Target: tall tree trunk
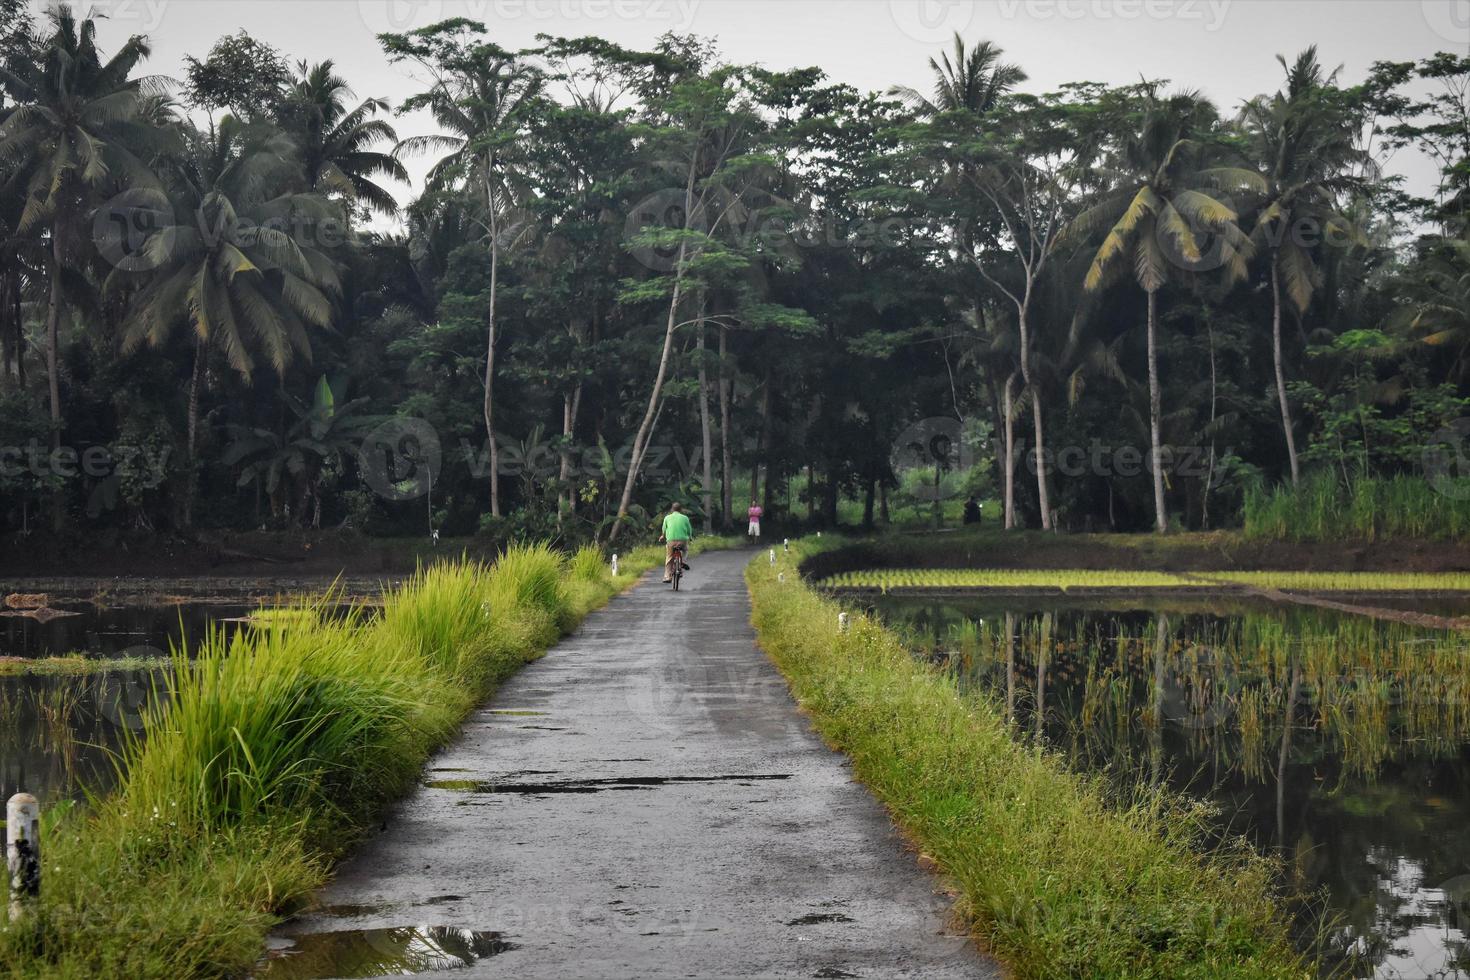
x,y
1214,406
570,402
196,382
1008,465
1155,424
490,369
762,447
704,428
727,466
1281,372
869,498
1042,499
53,368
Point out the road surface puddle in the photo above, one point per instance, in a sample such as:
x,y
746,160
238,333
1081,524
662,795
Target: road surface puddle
x,y
819,918
588,785
399,951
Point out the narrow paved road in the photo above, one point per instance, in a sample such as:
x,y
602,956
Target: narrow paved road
x,y
645,801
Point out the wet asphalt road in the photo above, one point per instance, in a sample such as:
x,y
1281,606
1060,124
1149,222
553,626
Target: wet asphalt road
x,y
645,801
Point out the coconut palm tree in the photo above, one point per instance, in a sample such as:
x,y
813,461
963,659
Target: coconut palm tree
x,y
335,143
1435,306
228,261
73,129
1159,214
974,81
1303,139
482,98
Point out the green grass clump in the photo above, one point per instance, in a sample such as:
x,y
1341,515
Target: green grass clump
x,y
72,664
274,751
1056,874
1323,508
897,579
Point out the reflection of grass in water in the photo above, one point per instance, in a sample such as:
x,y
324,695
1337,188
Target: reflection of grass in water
x,y
57,707
1372,690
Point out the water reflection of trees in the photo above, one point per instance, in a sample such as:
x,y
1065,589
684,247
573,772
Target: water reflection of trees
x,y
1343,742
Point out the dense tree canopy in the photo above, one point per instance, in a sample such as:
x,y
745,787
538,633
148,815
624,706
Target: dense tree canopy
x,y
639,276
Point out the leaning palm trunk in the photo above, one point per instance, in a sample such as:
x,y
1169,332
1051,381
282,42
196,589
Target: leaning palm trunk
x,y
640,440
1281,374
1155,403
645,429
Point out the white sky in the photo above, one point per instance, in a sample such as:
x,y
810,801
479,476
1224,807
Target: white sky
x,y
1226,48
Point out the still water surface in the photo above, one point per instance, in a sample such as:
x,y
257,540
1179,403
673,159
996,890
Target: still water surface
x,y
1340,743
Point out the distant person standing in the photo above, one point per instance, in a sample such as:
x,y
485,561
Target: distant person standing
x,y
972,511
754,516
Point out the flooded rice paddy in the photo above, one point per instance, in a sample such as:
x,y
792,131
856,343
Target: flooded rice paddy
x,y
1339,742
59,732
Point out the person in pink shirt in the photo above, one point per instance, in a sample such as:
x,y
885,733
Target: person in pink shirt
x,y
754,516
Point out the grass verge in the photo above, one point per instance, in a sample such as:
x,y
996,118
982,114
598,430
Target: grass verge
x,y
274,752
1057,875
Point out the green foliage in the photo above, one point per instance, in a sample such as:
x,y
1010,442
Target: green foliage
x,y
1325,508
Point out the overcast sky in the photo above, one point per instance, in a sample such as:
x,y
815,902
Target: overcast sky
x,y
1226,48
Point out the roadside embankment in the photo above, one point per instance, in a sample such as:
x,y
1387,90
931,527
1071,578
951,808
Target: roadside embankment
x,y
1058,875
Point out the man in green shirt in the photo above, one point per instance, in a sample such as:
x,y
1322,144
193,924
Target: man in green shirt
x,y
676,531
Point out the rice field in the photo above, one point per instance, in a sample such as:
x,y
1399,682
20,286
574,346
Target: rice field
x,y
1349,581
900,579
895,579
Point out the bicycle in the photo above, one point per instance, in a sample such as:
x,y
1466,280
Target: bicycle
x,y
678,571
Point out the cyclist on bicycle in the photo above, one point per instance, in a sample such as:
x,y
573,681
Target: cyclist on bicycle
x,y
676,531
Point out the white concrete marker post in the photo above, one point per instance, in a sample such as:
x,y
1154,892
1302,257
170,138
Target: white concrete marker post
x,y
785,544
773,556
615,564
23,853
842,622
